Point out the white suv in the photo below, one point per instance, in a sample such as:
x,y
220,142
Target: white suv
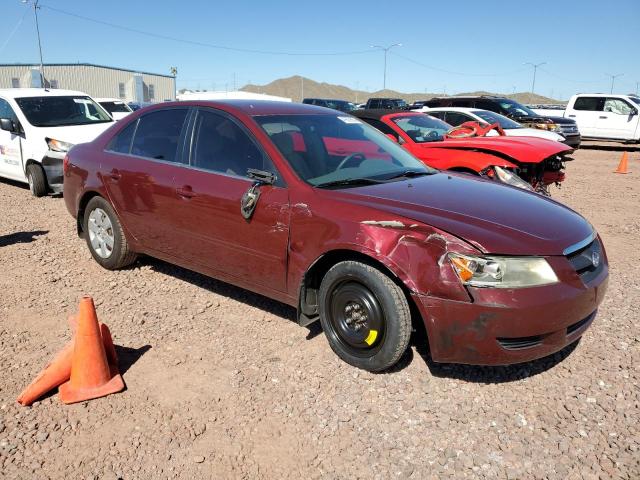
x,y
38,127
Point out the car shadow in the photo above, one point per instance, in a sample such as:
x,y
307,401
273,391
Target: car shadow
x,y
612,147
230,291
494,374
21,237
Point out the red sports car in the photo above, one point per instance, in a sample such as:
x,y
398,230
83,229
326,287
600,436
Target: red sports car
x,y
314,208
537,161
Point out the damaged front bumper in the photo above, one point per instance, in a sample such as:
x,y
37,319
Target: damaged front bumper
x,y
52,165
506,326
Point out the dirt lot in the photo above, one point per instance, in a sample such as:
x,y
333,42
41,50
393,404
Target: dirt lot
x,y
223,383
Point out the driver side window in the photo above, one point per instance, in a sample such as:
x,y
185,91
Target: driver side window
x,y
616,105
6,111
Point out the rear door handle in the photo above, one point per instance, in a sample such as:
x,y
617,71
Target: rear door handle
x,y
572,116
115,174
186,191
603,117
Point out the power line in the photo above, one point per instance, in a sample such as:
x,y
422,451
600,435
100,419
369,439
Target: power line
x,y
15,29
467,74
204,44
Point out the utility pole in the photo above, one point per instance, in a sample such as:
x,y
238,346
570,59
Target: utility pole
x,y
535,68
174,73
386,50
234,81
637,84
36,7
613,79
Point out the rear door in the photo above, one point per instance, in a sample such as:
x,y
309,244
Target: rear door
x,y
586,112
10,147
141,165
616,120
208,221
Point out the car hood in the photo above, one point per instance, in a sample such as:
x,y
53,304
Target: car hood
x,y
562,120
75,134
533,132
524,149
496,218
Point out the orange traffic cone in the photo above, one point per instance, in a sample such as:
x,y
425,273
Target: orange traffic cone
x,y
622,166
92,375
58,370
54,374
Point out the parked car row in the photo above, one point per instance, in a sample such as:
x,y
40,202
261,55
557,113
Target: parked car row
x,y
318,209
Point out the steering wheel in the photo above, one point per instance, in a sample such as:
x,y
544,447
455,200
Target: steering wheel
x,y
353,156
433,134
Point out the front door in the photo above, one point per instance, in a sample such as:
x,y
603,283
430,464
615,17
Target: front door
x,y
10,148
616,120
212,231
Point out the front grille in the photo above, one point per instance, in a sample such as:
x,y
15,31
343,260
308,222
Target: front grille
x,y
578,325
520,343
587,261
569,129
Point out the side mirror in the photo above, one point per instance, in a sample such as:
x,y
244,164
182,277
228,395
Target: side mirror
x,y
392,137
7,125
634,111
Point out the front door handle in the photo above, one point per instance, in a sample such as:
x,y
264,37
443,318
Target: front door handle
x,y
603,117
572,116
186,191
115,174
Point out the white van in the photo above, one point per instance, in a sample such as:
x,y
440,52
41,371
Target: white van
x,y
116,107
38,127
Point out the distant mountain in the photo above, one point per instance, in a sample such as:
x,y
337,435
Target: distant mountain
x,y
298,87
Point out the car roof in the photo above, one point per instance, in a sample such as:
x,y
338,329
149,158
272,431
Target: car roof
x,y
453,109
109,100
255,107
468,97
38,92
377,113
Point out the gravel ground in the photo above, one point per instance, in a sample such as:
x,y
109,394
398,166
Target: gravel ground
x,y
222,383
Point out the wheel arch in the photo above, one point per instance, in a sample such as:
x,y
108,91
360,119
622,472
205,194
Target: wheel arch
x,y
310,284
82,205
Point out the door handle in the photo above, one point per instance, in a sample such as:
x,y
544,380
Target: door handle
x,y
572,116
602,117
186,191
115,174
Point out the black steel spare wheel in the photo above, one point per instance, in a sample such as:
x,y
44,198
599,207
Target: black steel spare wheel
x,y
356,317
365,315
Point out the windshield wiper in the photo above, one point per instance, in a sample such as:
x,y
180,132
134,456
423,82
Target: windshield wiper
x,y
349,181
409,174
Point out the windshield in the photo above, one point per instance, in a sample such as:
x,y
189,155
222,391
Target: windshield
x,y
492,117
112,107
422,128
62,111
517,109
324,149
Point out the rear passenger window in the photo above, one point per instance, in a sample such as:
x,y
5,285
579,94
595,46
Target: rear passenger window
x,y
457,118
121,143
158,134
223,146
592,104
486,105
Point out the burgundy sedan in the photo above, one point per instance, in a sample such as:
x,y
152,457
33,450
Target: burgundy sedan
x,y
316,209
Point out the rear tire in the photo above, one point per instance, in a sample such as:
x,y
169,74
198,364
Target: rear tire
x,y
105,237
365,316
37,180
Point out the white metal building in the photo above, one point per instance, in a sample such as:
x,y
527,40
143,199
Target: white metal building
x,y
95,80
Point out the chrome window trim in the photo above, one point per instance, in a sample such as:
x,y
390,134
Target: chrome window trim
x,y
581,244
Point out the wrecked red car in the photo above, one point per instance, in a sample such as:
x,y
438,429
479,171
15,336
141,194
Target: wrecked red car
x,y
367,240
525,162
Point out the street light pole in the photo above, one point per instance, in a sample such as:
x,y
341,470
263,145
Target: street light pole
x,y
535,68
613,79
35,13
386,50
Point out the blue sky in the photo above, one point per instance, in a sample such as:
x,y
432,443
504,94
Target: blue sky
x,y
469,45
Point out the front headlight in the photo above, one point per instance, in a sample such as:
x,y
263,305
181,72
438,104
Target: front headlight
x,y
58,146
510,178
502,272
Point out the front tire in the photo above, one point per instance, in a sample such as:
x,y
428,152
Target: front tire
x,y
365,316
105,237
37,180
